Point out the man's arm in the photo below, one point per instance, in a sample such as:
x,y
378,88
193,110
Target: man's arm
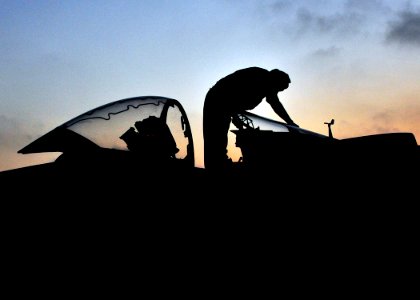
x,y
280,110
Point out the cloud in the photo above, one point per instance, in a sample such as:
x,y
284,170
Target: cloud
x,y
382,122
405,30
339,23
328,18
374,6
397,119
14,134
325,53
281,5
8,127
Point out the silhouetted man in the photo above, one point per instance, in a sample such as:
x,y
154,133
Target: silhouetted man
x,y
233,94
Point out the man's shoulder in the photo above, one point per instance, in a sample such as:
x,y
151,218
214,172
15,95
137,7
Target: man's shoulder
x,y
248,73
252,70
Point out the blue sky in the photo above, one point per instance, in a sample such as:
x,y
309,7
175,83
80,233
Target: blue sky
x,y
352,60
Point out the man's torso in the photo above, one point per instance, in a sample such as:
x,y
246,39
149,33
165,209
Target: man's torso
x,y
244,89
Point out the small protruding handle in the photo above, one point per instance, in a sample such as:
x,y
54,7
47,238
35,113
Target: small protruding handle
x,y
329,127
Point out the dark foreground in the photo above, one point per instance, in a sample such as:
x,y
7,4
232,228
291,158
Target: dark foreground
x,y
325,232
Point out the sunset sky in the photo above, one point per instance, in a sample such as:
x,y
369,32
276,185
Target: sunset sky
x,y
357,61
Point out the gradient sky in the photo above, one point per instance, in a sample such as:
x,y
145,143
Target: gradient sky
x,y
356,61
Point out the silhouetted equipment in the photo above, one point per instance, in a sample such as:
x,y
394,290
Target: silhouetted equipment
x,y
329,127
153,139
287,150
241,121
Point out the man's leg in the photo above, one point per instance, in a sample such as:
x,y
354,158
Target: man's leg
x,y
215,132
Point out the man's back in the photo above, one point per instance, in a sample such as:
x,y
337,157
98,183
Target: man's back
x,y
245,88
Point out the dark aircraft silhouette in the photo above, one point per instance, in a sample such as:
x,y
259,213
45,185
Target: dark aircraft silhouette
x,y
147,140
126,189
140,137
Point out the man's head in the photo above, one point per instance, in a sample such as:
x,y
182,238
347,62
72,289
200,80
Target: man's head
x,y
279,79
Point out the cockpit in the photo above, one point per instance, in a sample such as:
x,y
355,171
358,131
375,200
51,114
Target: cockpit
x,y
150,128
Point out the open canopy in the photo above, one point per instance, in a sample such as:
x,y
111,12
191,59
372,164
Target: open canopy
x,y
112,126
